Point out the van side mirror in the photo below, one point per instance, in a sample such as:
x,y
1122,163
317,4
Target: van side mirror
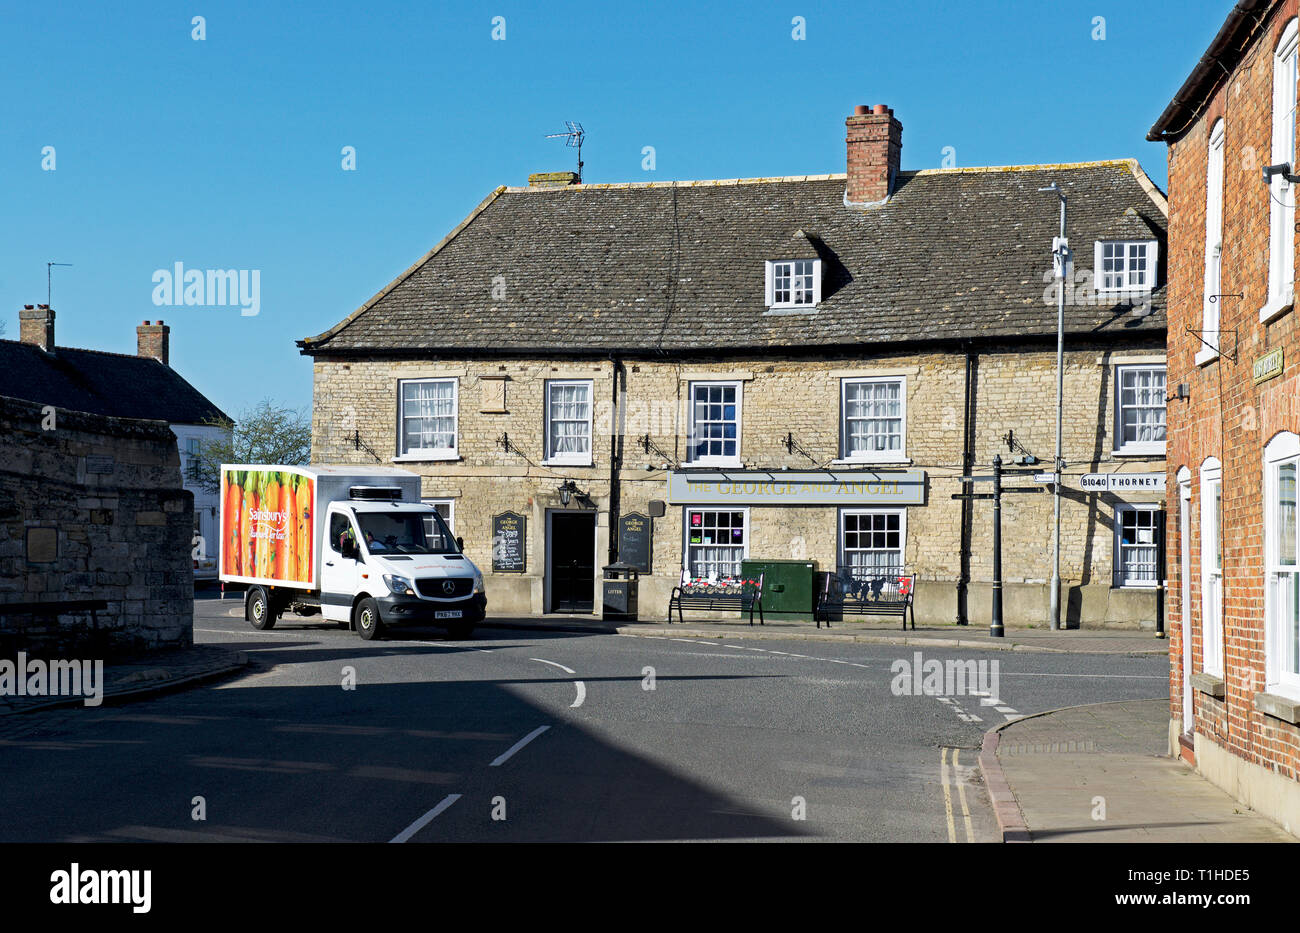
x,y
460,543
350,550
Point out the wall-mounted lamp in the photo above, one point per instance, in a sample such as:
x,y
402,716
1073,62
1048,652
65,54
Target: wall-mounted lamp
x,y
568,489
1283,169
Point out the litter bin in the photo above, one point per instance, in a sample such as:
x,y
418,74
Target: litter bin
x,y
787,587
619,587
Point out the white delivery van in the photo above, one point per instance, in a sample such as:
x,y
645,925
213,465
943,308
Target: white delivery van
x,y
354,543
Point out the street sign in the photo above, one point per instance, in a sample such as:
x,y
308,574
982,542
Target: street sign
x,y
1044,478
1113,482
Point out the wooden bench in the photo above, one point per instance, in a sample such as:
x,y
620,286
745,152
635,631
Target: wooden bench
x,y
740,596
852,591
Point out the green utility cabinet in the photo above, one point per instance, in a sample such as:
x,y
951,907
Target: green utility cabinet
x,y
787,587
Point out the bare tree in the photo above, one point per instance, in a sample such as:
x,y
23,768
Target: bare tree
x,y
265,433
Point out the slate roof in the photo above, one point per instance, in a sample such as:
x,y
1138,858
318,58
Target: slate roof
x,y
101,383
953,254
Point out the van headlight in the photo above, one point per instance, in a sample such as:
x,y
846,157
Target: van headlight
x,y
478,583
399,586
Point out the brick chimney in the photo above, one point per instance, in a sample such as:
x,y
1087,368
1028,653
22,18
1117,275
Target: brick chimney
x,y
152,339
875,146
36,326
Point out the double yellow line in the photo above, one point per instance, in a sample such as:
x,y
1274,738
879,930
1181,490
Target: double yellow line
x,y
961,795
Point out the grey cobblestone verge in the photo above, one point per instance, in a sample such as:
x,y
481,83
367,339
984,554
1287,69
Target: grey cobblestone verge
x,y
145,674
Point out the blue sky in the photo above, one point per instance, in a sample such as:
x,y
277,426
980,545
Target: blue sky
x,y
226,153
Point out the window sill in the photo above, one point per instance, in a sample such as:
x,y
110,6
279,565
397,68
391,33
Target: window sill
x,y
569,463
1133,450
1208,684
1279,707
1206,355
1137,586
427,458
1277,306
714,465
873,461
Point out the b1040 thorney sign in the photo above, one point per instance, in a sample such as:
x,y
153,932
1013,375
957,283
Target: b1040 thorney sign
x,y
1122,482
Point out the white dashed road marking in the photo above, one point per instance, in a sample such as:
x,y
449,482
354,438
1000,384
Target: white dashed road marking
x,y
505,756
426,819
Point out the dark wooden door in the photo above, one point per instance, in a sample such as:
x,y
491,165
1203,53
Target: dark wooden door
x,y
573,561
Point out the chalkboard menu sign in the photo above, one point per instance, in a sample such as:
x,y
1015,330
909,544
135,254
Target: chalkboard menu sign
x,y
634,537
509,530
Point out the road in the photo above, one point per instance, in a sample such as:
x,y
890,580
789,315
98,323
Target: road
x,y
524,736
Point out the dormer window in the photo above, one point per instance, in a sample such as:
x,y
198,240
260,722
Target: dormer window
x,y
794,283
1125,265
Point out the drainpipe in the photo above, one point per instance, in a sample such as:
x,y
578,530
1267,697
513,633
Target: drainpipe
x,y
967,505
615,454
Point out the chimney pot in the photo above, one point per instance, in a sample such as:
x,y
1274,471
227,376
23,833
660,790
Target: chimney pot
x,y
153,341
875,145
861,110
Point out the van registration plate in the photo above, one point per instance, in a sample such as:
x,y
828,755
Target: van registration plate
x,y
448,614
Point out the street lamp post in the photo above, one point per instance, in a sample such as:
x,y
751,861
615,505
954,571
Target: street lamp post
x,y
1060,258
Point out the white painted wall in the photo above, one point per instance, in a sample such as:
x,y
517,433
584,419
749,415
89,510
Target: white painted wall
x,y
207,505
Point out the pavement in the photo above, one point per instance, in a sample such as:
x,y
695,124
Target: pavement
x,y
1100,773
1084,640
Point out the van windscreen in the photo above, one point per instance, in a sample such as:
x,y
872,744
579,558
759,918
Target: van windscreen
x,y
404,533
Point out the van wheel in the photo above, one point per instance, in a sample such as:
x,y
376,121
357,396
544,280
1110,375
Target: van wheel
x,y
366,617
258,610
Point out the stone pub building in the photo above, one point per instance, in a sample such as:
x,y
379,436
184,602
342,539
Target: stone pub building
x,y
796,368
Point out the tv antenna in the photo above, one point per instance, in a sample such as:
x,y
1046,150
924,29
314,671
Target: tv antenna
x,y
49,267
573,139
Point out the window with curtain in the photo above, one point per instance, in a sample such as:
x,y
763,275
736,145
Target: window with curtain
x,y
428,423
1140,409
568,421
1139,532
873,419
1282,575
716,543
871,542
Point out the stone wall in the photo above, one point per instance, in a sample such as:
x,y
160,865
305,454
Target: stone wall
x,y
355,421
91,508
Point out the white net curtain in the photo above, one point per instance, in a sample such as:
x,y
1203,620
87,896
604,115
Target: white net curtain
x,y
570,407
429,415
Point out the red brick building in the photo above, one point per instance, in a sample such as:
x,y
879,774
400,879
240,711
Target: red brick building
x,y
1234,411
